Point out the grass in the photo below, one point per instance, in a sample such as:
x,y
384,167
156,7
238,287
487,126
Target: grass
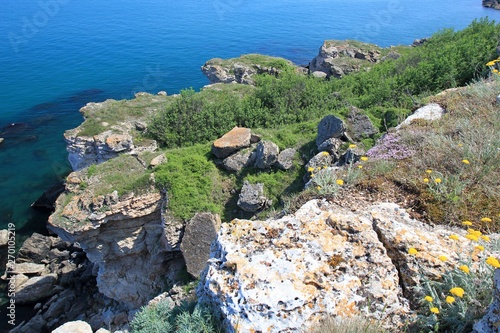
x,y
348,325
254,60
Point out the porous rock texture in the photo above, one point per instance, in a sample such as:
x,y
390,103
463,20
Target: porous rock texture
x,y
126,239
285,275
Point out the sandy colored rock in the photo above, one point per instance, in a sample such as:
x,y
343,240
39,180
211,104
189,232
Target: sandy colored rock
x,y
235,139
74,327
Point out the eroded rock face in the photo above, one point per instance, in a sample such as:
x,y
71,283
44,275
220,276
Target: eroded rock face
x,y
284,275
325,260
126,241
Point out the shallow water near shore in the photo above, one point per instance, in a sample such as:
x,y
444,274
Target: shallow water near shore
x,y
55,56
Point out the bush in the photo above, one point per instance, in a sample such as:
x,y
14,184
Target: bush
x,y
162,318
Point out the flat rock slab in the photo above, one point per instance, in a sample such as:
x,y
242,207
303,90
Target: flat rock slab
x,y
235,139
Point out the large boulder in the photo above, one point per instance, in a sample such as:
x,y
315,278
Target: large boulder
x,y
266,154
34,249
235,139
429,112
239,160
359,125
285,159
36,289
251,197
199,235
284,275
329,127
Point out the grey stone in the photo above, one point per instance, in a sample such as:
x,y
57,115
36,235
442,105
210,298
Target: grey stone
x,y
35,324
331,146
359,125
74,327
60,305
329,127
319,161
239,160
319,74
29,268
34,249
1,140
489,322
266,154
140,125
199,235
352,155
36,289
285,159
251,197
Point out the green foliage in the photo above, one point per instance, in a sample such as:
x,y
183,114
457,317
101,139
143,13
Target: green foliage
x,y
160,318
190,179
349,325
91,170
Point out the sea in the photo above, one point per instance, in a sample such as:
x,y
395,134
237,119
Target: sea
x,y
58,55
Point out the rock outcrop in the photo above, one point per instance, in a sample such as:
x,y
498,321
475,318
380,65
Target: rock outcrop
x,y
429,112
495,4
242,69
285,275
251,198
125,238
339,58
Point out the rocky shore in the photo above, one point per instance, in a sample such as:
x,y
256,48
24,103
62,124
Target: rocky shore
x,y
114,248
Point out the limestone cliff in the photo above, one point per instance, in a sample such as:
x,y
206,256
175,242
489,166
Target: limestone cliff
x,y
127,237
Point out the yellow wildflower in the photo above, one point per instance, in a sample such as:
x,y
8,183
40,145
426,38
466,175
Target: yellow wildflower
x,y
450,299
460,145
340,182
472,237
457,291
485,238
474,232
467,223
318,188
435,310
490,63
492,261
310,169
360,167
465,162
464,268
325,153
428,171
412,251
442,258
324,166
426,180
312,175
454,237
364,158
495,71
480,248
485,219
352,146
437,180
428,298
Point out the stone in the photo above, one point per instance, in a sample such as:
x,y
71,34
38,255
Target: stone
x,y
200,232
285,159
74,327
36,289
34,249
119,142
284,275
319,161
35,324
329,127
60,305
239,160
140,125
429,112
266,154
319,74
235,139
351,156
331,146
102,330
160,159
491,4
251,197
419,42
490,321
4,240
359,125
46,202
28,268
1,140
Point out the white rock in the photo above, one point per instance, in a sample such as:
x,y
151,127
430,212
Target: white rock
x,y
74,327
429,112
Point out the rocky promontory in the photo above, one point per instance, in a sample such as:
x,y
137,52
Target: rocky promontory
x,y
491,4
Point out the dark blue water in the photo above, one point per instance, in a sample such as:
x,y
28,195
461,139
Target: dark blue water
x,y
57,55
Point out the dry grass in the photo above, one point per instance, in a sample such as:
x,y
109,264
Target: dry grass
x,y
349,325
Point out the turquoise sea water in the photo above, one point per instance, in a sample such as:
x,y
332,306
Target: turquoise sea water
x,y
57,55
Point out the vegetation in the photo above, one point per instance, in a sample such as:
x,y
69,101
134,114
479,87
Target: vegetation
x,y
163,318
349,325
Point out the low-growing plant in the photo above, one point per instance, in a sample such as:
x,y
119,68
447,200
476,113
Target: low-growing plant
x,y
462,294
349,325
